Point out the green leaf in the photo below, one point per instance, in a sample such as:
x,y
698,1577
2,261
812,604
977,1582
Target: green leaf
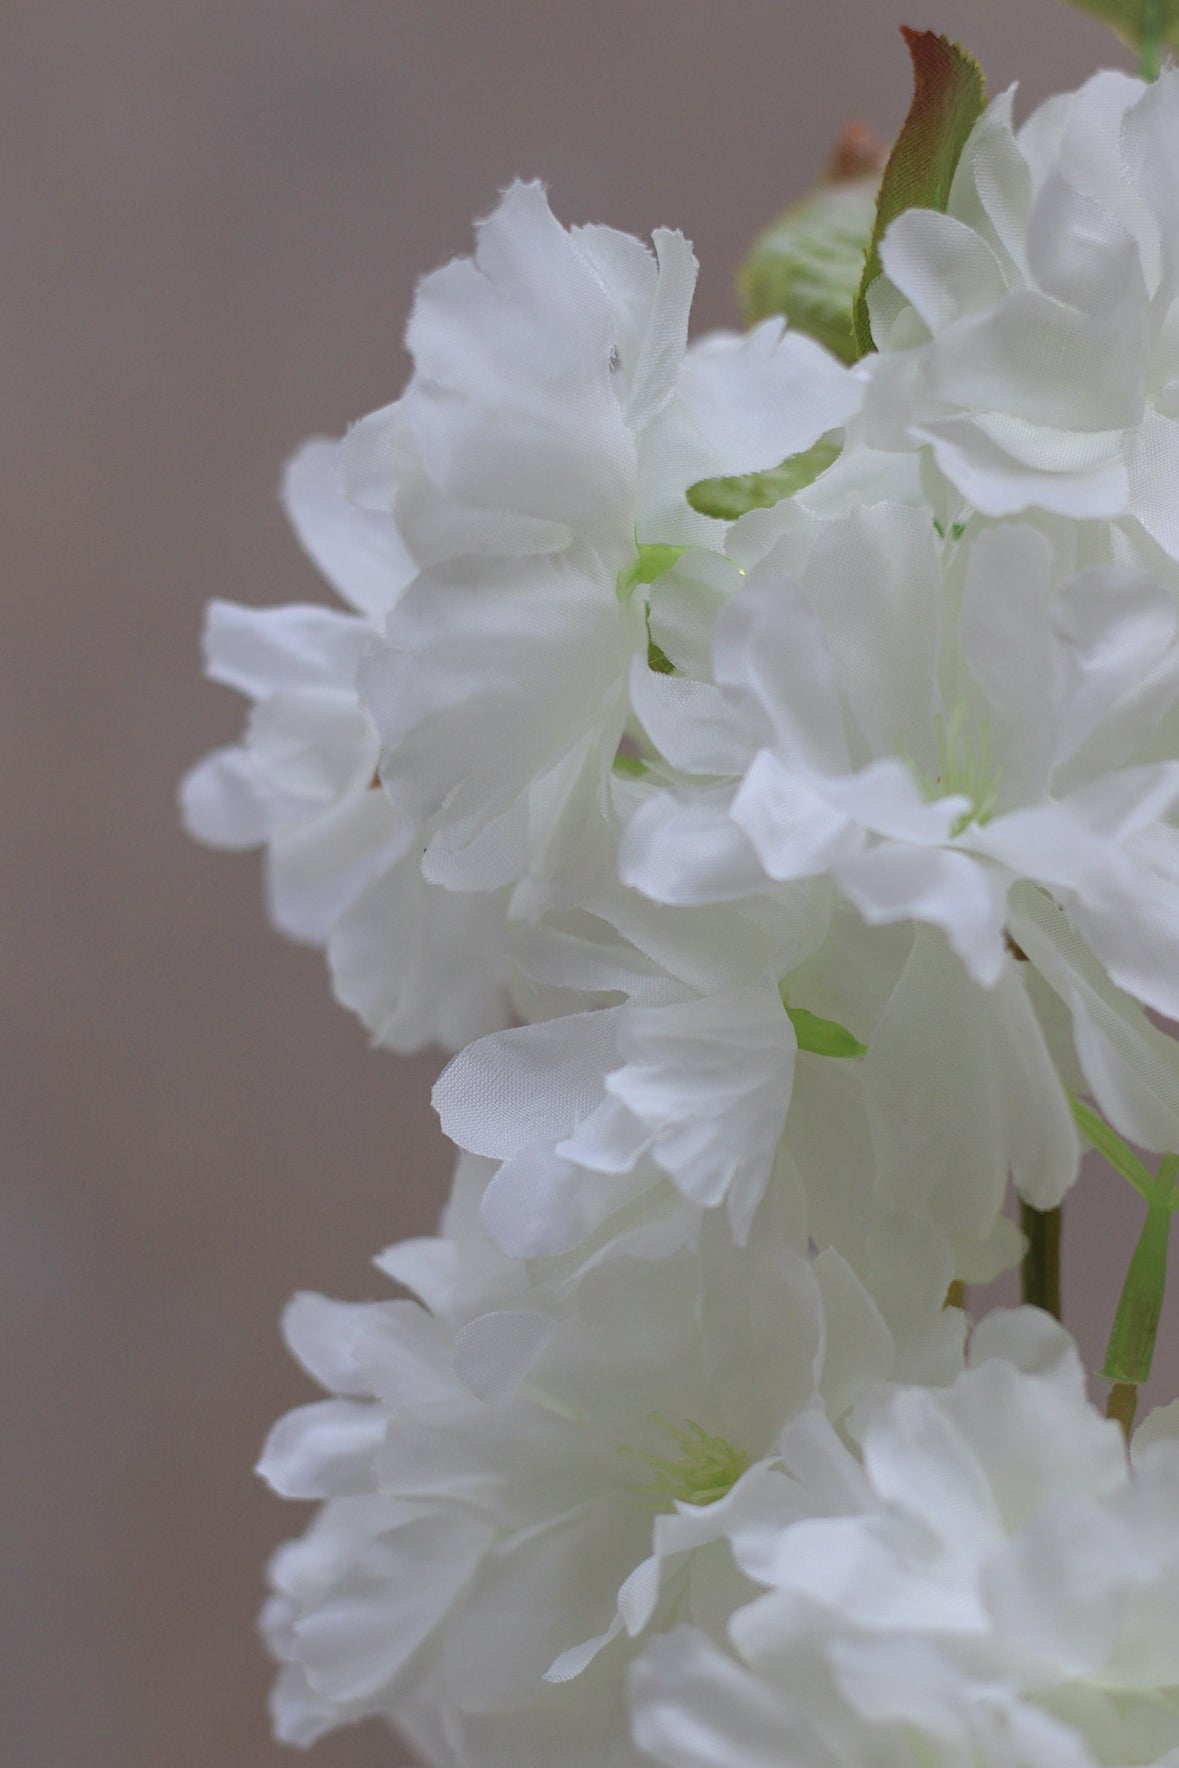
x,y
1109,1144
808,264
949,96
1136,1323
729,498
1149,26
823,1037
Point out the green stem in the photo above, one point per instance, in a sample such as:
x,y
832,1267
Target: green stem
x,y
1152,39
1136,1323
1041,1261
1121,1405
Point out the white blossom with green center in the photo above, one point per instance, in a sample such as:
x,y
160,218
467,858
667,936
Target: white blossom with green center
x,y
703,1470
928,721
485,1452
964,768
537,465
978,1577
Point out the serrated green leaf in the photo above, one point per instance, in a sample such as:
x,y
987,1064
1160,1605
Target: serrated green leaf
x,y
727,499
807,266
1136,1323
1111,1146
823,1037
949,96
1149,26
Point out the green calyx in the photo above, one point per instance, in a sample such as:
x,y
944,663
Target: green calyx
x,y
822,1037
649,564
949,96
706,1468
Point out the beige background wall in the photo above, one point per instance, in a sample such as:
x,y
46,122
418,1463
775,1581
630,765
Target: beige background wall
x,y
211,218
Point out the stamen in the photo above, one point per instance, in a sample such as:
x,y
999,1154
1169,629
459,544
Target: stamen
x,y
707,1467
965,769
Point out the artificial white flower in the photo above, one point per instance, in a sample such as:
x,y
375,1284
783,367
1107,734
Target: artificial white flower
x,y
822,857
929,721
980,1579
694,1071
343,868
538,465
513,1495
762,1046
1030,335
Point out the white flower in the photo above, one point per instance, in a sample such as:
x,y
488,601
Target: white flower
x,y
343,868
737,1066
927,722
872,665
821,856
981,1580
514,1495
1029,335
690,1079
538,465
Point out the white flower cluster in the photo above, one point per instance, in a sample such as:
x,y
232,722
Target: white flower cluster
x,y
776,882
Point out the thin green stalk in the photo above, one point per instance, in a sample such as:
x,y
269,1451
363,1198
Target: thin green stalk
x,y
1121,1405
1041,1261
1152,39
1136,1323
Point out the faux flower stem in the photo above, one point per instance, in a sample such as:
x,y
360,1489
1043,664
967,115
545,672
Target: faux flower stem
x,y
1152,39
1041,1262
1135,1328
1121,1405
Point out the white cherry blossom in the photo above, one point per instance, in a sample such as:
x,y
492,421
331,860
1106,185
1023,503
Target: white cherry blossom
x,y
775,885
1030,335
976,1577
927,722
343,867
538,465
512,1496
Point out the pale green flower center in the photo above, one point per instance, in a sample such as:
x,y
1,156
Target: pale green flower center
x,y
704,1470
964,768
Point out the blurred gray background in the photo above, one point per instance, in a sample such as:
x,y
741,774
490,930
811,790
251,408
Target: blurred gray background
x,y
212,215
